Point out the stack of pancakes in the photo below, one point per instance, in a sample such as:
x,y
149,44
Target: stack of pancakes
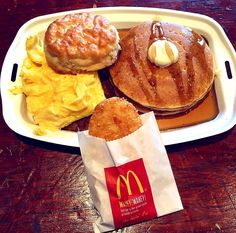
x,y
166,90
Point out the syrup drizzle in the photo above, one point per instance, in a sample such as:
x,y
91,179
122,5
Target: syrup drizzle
x,y
198,43
142,73
157,31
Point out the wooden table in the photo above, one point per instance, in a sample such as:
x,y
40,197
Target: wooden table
x,y
43,186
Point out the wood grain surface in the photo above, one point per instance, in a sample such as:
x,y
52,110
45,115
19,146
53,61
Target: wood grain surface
x,y
43,187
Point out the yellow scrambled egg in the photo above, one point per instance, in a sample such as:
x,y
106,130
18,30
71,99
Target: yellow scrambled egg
x,y
56,100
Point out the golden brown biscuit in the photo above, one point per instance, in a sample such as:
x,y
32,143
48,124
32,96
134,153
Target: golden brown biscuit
x,y
114,118
168,90
81,41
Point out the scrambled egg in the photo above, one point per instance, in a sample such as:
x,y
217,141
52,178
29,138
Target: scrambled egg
x,y
56,100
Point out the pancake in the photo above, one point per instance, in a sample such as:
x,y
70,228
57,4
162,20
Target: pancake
x,y
81,41
167,90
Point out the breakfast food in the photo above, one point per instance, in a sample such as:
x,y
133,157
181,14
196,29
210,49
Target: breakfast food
x,y
55,100
163,67
81,41
114,118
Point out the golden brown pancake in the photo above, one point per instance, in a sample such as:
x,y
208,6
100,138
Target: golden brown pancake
x,y
114,118
167,90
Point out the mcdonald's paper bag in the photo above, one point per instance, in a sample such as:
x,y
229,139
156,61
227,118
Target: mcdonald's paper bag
x,y
130,179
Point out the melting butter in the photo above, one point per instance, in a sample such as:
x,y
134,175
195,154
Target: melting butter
x,y
163,53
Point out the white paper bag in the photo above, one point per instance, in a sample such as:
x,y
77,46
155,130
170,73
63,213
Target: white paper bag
x,y
130,179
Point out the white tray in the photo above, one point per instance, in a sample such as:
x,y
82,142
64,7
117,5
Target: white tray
x,y
14,112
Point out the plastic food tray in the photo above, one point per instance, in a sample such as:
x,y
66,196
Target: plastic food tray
x,y
14,109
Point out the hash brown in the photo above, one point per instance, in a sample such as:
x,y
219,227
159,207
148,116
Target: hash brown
x,y
114,118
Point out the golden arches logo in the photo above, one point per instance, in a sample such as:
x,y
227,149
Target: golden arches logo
x,y
127,183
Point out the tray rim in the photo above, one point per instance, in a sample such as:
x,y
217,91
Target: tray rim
x,y
167,136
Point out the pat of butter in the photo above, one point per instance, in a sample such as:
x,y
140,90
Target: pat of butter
x,y
163,53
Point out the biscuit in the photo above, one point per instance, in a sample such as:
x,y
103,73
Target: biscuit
x,y
81,41
114,118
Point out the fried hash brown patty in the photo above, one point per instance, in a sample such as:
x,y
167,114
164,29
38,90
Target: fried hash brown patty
x,y
114,118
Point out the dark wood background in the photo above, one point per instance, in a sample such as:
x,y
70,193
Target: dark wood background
x,y
43,187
